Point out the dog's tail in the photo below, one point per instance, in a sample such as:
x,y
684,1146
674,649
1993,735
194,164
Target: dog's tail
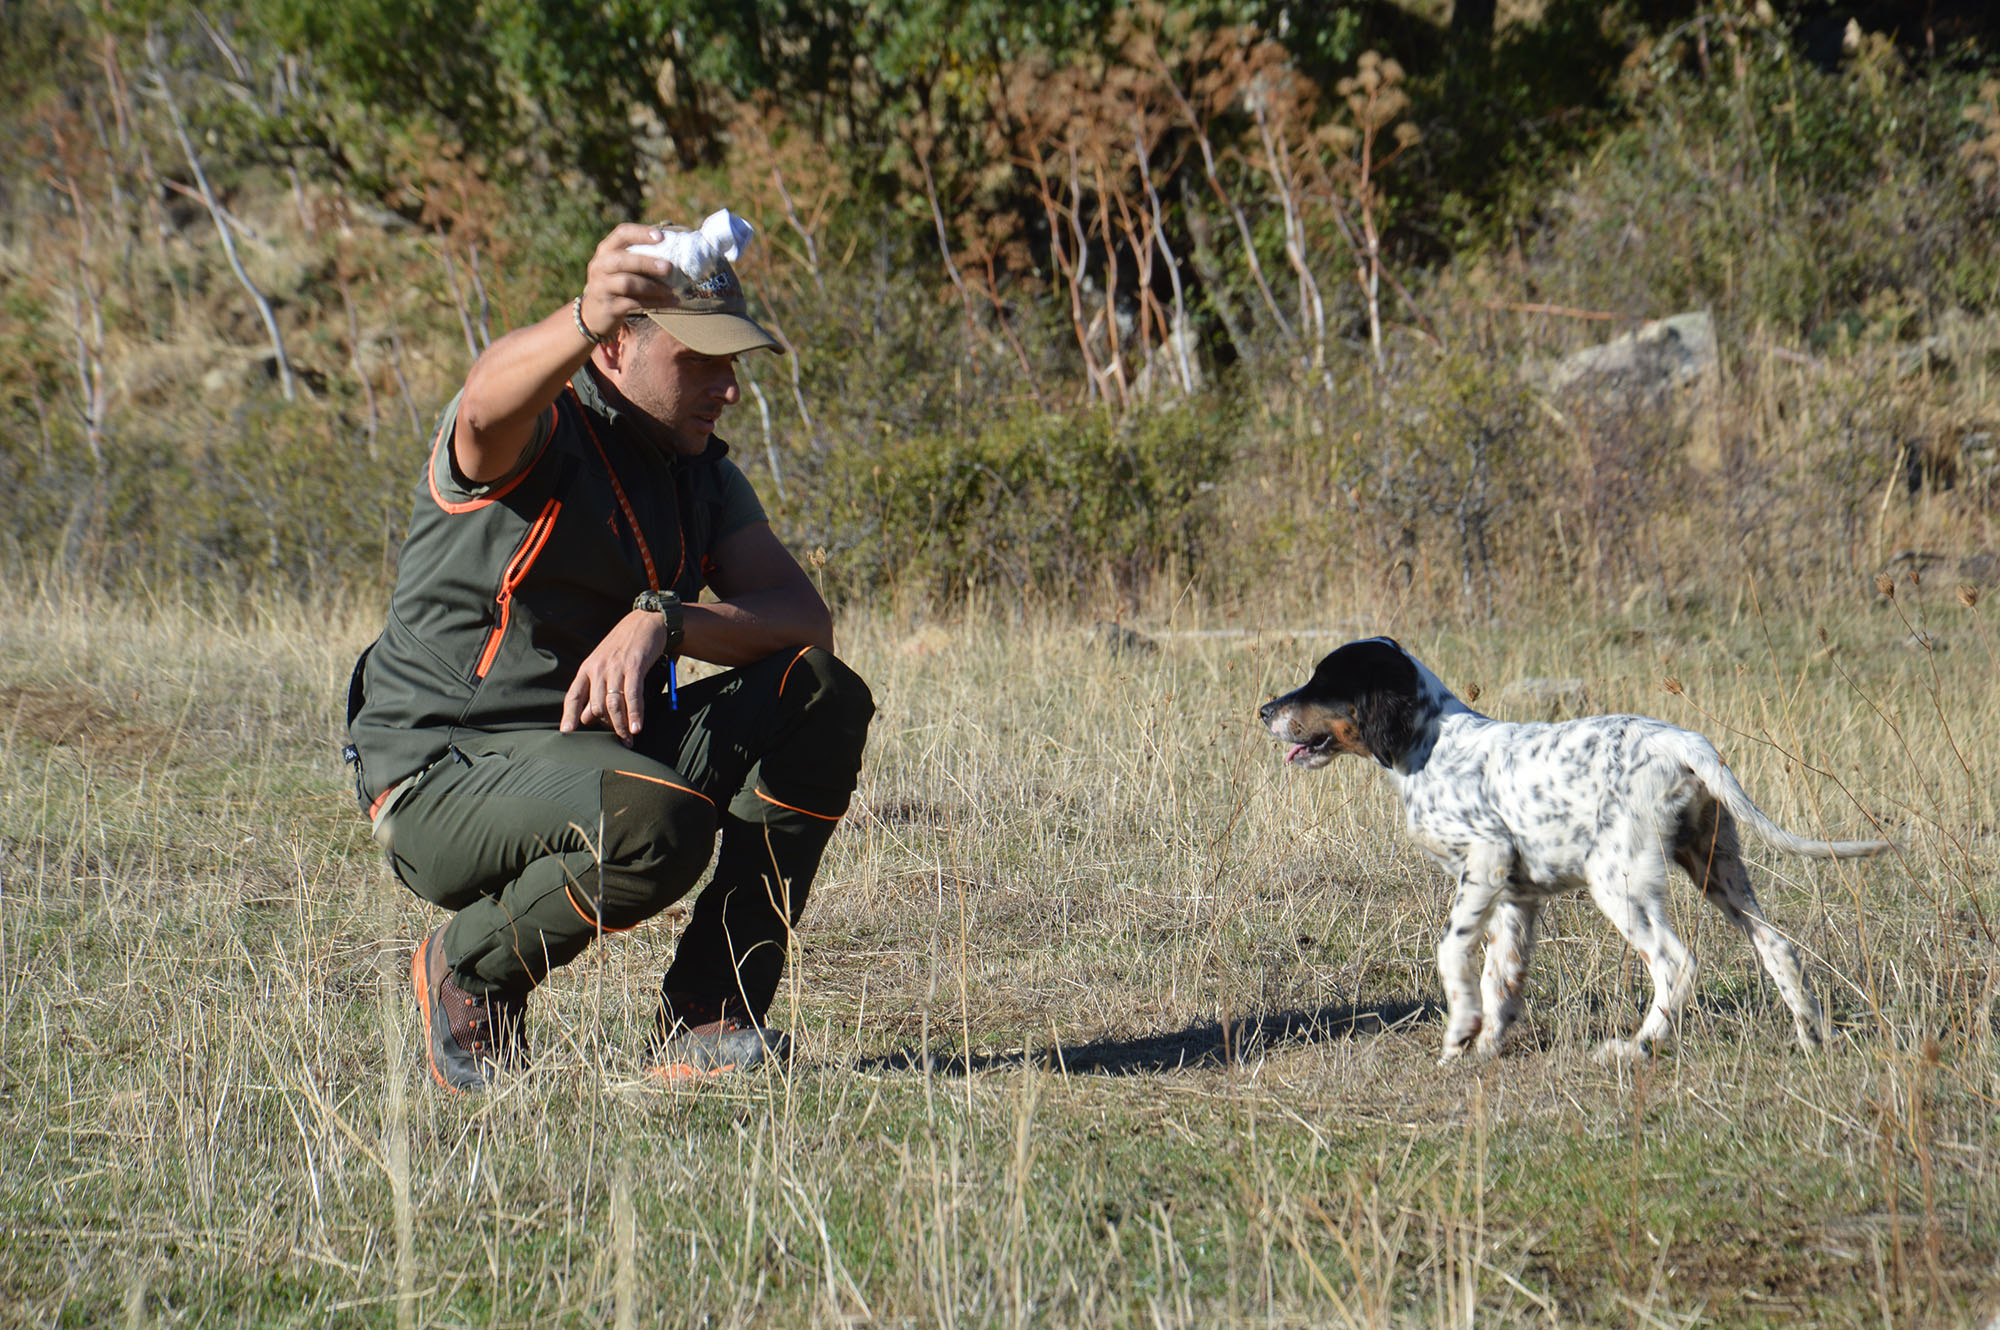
x,y
1706,764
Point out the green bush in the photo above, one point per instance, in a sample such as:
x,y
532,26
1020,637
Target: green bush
x,y
1038,502
1444,479
1783,197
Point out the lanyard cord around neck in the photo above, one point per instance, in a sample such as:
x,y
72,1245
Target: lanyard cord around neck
x,y
625,505
638,536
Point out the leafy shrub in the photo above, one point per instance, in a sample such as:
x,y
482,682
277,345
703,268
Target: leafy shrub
x,y
1780,195
1440,481
1053,504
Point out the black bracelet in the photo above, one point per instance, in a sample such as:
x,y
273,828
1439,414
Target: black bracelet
x,y
576,310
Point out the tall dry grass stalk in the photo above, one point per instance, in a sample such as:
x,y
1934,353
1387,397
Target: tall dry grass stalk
x,y
1103,1017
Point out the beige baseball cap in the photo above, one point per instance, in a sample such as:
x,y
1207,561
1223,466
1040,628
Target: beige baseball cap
x,y
709,313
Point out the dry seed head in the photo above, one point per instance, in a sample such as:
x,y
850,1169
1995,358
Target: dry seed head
x,y
1472,692
1672,685
1821,632
1886,585
1338,137
1968,595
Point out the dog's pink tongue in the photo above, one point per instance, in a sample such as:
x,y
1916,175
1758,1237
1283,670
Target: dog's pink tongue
x,y
1292,754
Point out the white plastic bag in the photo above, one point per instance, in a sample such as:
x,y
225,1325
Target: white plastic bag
x,y
724,236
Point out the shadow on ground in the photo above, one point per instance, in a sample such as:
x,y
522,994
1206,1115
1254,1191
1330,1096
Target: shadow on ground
x,y
1210,1044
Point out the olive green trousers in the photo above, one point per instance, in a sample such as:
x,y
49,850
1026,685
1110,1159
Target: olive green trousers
x,y
542,842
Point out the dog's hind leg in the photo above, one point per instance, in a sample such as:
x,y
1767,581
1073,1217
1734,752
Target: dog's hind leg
x,y
1510,941
1715,862
1630,887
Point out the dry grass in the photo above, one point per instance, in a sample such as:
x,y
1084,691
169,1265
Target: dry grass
x,y
1105,1017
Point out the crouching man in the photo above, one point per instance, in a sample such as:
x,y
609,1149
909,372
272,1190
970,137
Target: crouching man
x,y
516,732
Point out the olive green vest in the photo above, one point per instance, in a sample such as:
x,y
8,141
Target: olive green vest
x,y
503,589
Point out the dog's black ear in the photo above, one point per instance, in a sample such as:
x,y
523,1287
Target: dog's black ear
x,y
1380,682
1387,718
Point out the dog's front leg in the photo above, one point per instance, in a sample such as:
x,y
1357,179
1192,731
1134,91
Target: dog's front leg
x,y
1479,882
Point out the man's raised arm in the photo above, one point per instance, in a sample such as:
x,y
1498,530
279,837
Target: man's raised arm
x,y
517,377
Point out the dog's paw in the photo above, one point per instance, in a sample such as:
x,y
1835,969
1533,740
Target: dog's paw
x,y
1486,1047
1457,1046
1621,1053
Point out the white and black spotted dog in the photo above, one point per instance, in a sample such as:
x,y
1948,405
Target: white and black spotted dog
x,y
1518,813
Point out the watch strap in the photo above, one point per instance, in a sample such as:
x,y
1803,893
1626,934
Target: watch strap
x,y
667,605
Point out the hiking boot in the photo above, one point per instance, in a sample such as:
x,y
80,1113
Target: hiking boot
x,y
707,1036
468,1038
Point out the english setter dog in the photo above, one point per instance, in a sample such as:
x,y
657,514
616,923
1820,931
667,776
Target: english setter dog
x,y
1518,813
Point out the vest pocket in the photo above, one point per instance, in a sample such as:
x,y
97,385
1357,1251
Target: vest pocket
x,y
510,581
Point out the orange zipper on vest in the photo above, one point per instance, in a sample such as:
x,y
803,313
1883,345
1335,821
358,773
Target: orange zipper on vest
x,y
517,570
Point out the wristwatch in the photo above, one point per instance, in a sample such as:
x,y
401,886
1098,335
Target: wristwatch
x,y
667,605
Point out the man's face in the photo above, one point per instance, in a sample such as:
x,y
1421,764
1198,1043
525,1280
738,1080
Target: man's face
x,y
684,391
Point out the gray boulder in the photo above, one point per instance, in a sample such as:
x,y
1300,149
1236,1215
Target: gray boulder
x,y
1644,364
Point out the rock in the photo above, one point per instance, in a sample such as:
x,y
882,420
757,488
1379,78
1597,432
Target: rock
x,y
1161,374
1978,460
1911,561
1122,641
245,372
224,377
1643,364
1545,699
1980,569
1904,570
380,218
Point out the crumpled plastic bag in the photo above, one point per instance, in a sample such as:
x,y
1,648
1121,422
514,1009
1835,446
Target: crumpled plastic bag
x,y
724,236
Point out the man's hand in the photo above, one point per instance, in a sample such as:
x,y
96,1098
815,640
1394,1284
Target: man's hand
x,y
610,685
618,282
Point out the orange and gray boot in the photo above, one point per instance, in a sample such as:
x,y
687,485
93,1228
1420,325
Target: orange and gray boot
x,y
707,1036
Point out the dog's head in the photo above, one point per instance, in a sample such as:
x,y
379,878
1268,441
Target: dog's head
x,y
1368,698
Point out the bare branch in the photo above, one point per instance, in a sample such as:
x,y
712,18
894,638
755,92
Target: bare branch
x,y
792,217
222,227
944,244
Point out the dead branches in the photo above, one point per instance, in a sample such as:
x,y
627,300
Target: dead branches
x,y
163,91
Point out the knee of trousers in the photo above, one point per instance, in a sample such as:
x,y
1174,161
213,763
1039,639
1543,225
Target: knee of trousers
x,y
839,695
656,842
